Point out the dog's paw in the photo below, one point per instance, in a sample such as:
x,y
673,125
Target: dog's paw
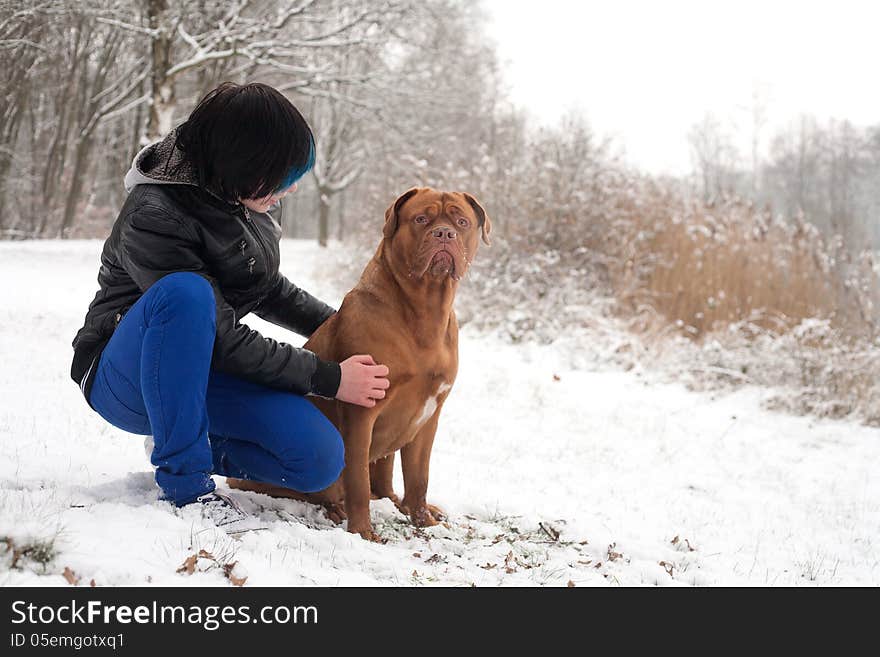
x,y
373,537
335,512
423,518
422,515
366,533
438,513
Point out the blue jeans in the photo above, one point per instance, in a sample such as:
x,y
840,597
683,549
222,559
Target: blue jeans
x,y
155,377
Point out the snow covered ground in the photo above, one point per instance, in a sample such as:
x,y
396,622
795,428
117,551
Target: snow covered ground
x,y
551,475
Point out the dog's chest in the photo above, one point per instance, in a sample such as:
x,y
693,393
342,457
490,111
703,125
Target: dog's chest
x,y
430,405
408,412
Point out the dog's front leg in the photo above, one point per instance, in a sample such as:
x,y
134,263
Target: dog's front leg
x,y
357,432
381,479
415,459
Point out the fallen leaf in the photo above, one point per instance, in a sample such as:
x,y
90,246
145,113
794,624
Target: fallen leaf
x,y
92,583
189,565
612,555
70,576
556,377
417,555
570,584
677,543
236,581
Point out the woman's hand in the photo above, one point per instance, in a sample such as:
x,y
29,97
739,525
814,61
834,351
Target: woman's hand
x,y
363,381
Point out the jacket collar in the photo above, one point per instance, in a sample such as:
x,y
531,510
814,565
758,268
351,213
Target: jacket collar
x,y
163,163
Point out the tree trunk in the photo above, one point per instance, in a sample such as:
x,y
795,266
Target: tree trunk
x,y
323,217
10,130
162,92
340,218
137,124
81,153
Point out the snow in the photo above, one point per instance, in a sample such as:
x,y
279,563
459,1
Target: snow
x,y
550,474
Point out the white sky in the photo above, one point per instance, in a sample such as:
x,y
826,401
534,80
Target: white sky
x,y
646,71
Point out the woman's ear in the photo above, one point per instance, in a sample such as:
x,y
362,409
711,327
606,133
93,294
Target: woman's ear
x,y
391,214
482,217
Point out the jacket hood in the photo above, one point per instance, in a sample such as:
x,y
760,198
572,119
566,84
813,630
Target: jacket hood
x,y
163,163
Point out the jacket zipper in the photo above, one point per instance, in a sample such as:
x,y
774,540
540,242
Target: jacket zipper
x,y
252,261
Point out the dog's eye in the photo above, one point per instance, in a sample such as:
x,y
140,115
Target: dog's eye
x,y
463,222
421,219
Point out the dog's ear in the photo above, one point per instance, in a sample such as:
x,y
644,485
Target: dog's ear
x,y
482,217
391,213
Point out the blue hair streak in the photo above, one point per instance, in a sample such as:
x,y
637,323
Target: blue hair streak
x,y
298,172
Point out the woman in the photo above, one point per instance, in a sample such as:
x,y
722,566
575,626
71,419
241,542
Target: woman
x,y
196,248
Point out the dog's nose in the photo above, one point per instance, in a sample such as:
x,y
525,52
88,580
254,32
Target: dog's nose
x,y
443,233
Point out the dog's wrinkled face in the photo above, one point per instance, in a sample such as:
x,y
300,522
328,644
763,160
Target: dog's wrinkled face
x,y
436,233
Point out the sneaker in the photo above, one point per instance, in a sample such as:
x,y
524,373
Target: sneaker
x,y
225,512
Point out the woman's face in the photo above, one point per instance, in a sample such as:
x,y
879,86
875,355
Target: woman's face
x,y
263,204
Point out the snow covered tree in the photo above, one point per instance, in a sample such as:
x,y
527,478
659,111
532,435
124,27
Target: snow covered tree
x,y
714,157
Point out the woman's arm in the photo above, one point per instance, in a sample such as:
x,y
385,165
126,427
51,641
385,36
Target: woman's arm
x,y
293,308
154,243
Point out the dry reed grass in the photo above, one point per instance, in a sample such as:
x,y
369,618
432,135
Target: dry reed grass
x,y
705,267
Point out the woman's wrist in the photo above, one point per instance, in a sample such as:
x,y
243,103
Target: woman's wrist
x,y
325,380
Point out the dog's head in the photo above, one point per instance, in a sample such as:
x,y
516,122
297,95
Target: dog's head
x,y
436,234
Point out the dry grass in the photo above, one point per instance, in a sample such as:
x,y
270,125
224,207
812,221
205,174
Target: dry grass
x,y
706,267
761,300
717,295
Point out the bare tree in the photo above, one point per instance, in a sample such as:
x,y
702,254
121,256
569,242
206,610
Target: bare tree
x,y
341,158
21,52
70,86
828,174
104,87
714,157
757,111
272,36
77,72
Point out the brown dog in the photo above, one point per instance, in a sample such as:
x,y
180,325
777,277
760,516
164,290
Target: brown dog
x,y
400,312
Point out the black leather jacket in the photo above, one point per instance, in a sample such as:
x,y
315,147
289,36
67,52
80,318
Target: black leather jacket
x,y
176,226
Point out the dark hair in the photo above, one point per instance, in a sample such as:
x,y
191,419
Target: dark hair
x,y
246,141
